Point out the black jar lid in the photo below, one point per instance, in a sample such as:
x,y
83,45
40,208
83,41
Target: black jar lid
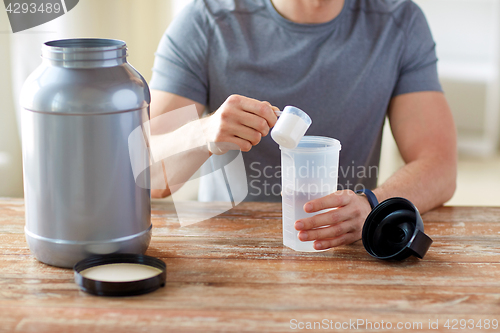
x,y
125,286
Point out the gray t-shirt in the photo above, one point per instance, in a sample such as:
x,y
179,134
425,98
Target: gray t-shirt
x,y
343,73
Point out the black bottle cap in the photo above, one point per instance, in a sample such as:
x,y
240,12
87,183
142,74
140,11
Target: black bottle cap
x,y
125,285
394,229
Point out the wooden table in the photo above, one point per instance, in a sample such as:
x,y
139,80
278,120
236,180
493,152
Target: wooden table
x,y
231,273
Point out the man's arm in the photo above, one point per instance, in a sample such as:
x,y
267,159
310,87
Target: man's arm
x,y
423,127
424,130
240,121
162,102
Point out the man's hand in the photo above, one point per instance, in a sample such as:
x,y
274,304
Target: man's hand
x,y
340,226
241,121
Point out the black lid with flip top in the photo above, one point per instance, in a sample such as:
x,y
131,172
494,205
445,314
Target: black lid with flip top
x,y
394,229
122,288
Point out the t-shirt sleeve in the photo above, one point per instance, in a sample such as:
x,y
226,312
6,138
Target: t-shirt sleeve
x,y
180,65
418,67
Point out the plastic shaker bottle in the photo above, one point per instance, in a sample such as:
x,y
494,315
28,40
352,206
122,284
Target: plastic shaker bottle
x,y
309,171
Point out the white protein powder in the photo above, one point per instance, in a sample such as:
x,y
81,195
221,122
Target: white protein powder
x,y
120,272
288,131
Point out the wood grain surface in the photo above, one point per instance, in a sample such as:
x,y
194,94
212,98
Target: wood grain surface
x,y
232,274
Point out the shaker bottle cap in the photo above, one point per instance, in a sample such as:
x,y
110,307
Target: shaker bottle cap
x,y
394,229
120,274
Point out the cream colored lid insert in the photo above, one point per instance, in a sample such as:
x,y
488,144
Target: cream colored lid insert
x,y
121,272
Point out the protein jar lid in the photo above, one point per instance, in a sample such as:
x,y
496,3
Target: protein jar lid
x,y
120,274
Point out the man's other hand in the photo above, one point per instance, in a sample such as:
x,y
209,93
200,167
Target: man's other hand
x,y
339,226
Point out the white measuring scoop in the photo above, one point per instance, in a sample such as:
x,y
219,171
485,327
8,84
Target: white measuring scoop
x,y
291,126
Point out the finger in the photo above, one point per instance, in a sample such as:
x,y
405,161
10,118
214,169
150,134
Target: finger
x,y
255,122
243,144
274,116
336,199
332,217
220,148
261,109
338,241
277,112
230,136
249,134
328,232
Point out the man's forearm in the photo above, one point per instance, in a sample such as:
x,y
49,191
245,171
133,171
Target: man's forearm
x,y
423,127
427,182
181,153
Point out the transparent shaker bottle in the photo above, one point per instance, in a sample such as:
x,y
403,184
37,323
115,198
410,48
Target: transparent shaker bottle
x,y
309,171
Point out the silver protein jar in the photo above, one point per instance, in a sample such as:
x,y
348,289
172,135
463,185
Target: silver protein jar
x,y
79,107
